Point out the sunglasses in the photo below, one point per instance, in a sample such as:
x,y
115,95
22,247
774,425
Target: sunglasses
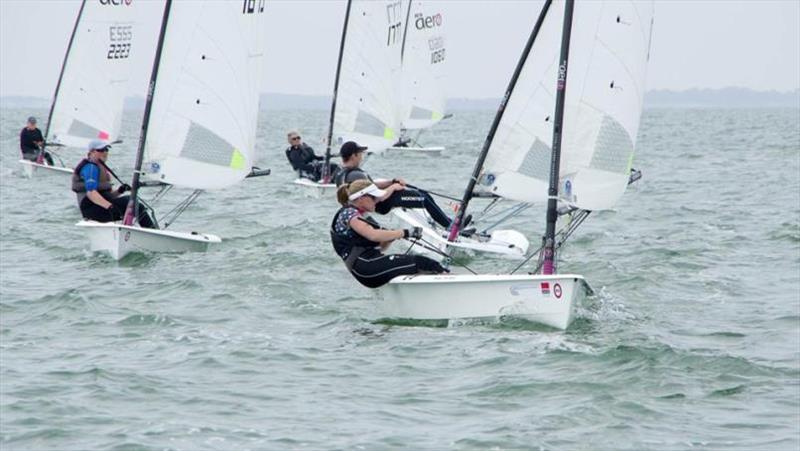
x,y
296,138
105,149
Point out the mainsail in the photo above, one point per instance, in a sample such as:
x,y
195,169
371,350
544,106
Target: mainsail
x,y
366,108
91,90
423,100
202,121
608,57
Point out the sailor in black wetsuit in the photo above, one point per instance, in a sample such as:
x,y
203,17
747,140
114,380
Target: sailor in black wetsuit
x,y
397,194
31,142
303,160
359,240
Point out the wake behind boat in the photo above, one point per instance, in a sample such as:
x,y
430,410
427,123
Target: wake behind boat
x,y
199,123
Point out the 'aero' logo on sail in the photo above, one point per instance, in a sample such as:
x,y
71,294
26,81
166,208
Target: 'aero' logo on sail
x,y
428,22
116,2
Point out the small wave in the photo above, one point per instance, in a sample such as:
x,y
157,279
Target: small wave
x,y
728,391
148,320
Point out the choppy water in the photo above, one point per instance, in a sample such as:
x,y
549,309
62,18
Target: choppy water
x,y
265,341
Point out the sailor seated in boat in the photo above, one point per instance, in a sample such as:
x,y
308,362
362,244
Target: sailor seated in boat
x,y
91,181
31,142
303,160
397,194
360,240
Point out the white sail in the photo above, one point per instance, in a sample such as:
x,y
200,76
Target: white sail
x,y
202,127
424,59
369,81
90,97
604,94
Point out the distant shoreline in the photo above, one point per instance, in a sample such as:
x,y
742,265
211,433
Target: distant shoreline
x,y
661,98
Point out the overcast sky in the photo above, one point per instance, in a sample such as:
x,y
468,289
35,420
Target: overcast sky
x,y
703,44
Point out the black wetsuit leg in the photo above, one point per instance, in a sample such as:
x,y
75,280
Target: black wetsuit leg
x,y
91,210
48,158
373,269
410,198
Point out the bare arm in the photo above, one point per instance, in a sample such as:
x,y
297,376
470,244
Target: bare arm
x,y
372,234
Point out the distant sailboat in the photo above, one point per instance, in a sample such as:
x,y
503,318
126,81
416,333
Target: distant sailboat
x,y
564,135
90,92
364,107
199,124
424,61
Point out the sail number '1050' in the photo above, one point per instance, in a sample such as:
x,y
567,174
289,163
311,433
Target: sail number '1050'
x,y
249,6
120,37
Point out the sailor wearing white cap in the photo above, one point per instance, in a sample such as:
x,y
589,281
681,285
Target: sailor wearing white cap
x,y
360,240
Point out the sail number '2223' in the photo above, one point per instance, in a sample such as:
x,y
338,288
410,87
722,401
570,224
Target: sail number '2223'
x,y
120,37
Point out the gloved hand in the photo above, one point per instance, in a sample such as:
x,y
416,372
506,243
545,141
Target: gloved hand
x,y
124,187
415,233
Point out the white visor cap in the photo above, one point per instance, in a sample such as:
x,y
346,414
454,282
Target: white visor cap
x,y
371,190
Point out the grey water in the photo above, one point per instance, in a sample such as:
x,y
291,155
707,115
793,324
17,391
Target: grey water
x,y
266,342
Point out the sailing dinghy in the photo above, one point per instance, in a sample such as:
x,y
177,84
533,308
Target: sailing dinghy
x,y
199,124
90,92
423,61
367,78
564,134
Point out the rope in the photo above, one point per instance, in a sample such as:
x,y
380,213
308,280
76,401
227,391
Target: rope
x,y
445,196
431,247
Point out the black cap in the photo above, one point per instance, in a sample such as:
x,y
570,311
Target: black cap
x,y
350,148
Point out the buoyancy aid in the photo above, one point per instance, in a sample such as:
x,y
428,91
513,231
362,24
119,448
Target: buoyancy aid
x,y
79,185
349,248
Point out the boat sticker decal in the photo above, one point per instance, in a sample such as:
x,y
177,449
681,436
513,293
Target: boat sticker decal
x,y
557,291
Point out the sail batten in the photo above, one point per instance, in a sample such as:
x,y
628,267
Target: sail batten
x,y
366,100
90,93
608,57
423,98
205,103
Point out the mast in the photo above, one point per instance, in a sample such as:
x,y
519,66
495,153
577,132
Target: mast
x,y
476,172
61,74
405,32
326,167
548,265
132,211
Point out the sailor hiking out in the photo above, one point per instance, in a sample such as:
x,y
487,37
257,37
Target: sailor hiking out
x,y
397,193
91,182
360,240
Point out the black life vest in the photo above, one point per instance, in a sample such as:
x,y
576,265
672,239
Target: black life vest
x,y
349,248
341,176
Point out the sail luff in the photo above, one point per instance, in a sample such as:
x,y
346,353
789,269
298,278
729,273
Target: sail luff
x,y
132,210
326,167
61,74
548,265
468,193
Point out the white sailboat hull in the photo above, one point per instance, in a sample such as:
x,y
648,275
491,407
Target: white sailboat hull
x,y
31,168
315,189
119,240
415,150
509,243
548,300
